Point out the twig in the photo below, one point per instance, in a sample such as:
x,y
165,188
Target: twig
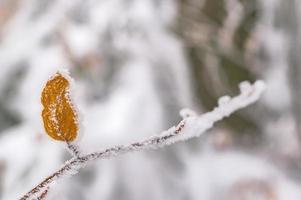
x,y
73,149
43,194
191,126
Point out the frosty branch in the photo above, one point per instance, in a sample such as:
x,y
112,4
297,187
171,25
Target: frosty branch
x,y
191,126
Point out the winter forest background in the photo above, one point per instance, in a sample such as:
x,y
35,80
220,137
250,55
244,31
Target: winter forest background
x,y
136,64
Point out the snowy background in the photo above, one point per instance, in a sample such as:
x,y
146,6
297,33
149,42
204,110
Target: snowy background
x,y
136,63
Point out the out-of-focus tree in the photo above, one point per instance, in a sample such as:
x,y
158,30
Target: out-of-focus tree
x,y
218,37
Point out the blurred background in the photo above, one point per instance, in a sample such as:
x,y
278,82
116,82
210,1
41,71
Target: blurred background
x,y
136,64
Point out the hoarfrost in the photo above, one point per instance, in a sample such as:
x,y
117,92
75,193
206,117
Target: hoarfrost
x,y
192,126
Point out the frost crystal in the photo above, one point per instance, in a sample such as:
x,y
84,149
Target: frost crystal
x,y
223,100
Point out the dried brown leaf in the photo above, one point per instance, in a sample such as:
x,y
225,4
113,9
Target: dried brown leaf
x,y
59,115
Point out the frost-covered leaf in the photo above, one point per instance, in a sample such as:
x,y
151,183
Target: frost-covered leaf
x,y
59,115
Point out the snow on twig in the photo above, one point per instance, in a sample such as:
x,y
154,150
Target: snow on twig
x,y
73,149
191,126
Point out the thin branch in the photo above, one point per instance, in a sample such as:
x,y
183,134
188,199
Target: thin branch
x,y
43,194
73,149
191,126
